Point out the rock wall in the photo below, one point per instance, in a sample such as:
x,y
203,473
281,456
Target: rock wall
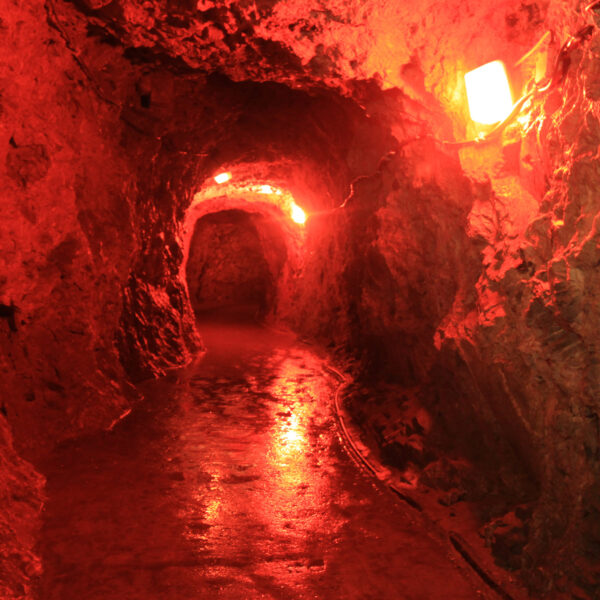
x,y
69,238
21,497
227,266
65,235
66,238
531,342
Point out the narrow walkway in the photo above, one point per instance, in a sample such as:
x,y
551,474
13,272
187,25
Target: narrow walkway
x,y
230,482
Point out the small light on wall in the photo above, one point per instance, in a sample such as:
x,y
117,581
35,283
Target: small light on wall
x,y
223,177
297,214
488,93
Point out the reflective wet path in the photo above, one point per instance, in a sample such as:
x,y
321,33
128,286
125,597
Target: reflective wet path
x,y
230,482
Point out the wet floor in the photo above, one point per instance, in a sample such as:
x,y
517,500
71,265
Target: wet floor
x,y
230,482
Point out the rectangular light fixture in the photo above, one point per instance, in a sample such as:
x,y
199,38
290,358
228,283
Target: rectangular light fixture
x,y
488,93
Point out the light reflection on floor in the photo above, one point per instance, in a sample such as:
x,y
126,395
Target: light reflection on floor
x,y
271,468
298,491
230,484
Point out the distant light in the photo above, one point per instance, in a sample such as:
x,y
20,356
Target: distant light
x,y
558,223
266,189
223,177
488,93
298,215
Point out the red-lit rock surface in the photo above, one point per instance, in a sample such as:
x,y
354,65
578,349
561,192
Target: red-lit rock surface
x,y
21,499
57,265
236,258
469,278
529,342
419,46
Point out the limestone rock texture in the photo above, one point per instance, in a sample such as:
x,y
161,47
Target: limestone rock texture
x,y
464,279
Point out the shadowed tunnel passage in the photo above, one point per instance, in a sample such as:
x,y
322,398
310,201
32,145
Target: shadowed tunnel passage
x,y
227,266
318,168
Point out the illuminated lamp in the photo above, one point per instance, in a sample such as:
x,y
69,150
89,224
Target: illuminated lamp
x,y
488,93
223,177
297,214
266,189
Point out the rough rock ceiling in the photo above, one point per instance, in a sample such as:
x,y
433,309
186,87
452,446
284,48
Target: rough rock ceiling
x,y
418,45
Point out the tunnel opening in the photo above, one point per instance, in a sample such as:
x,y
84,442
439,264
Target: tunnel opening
x,y
234,263
243,240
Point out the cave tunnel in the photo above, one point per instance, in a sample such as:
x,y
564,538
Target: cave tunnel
x,y
299,301
234,263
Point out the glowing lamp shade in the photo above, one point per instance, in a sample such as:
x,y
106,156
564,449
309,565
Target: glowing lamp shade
x,y
297,214
488,93
223,177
